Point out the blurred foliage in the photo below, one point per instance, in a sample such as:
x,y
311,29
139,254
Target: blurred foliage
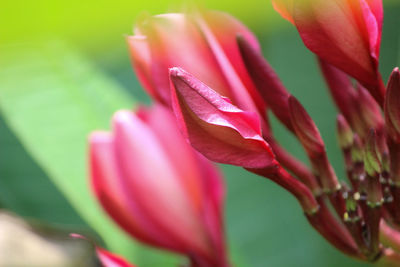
x,y
59,100
100,25
51,97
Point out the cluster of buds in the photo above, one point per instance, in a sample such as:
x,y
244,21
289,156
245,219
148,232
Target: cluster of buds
x,y
207,69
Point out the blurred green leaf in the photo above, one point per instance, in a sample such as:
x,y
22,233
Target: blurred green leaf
x,y
27,190
51,98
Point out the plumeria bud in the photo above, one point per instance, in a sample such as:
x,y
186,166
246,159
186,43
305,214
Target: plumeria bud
x,y
204,44
357,154
344,132
148,178
216,128
310,138
305,128
392,104
354,48
267,82
369,111
343,93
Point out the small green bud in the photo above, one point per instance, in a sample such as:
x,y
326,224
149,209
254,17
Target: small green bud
x,y
372,159
344,132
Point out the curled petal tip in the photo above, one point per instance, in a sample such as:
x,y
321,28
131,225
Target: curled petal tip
x,y
175,71
216,128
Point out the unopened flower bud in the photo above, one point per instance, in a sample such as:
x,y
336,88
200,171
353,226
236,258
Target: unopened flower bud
x,y
305,129
267,82
216,128
392,105
344,132
369,111
372,158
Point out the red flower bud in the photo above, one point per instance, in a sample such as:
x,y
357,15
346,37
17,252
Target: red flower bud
x,y
369,111
148,178
342,91
204,44
267,82
345,134
219,130
392,105
305,129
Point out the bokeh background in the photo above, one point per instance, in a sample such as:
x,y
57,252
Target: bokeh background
x,y
64,69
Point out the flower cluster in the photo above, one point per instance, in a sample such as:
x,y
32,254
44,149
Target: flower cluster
x,y
213,88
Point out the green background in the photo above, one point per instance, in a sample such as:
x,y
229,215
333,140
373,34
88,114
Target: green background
x,y
64,69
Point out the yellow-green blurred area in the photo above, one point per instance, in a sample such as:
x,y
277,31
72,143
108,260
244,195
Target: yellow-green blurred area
x,y
64,70
96,25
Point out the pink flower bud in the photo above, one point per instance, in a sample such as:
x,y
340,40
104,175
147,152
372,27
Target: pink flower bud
x,y
205,45
305,129
392,105
219,130
267,81
344,133
342,91
156,187
369,112
346,34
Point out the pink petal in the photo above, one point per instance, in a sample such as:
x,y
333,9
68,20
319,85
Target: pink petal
x,y
141,60
214,190
221,31
392,104
179,153
105,180
376,8
318,22
109,259
216,128
152,182
175,40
